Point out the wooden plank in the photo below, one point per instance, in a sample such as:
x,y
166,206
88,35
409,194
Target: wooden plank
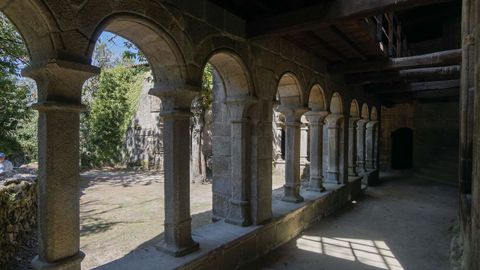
x,y
328,13
413,87
431,73
347,41
442,58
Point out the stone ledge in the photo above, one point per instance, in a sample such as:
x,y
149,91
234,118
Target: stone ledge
x,y
226,246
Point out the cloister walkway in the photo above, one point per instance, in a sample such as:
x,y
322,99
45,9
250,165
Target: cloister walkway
x,y
405,223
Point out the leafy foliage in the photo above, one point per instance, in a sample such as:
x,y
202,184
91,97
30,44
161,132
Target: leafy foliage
x,y
112,109
17,120
13,52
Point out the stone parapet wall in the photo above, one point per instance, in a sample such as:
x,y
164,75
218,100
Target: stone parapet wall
x,y
18,209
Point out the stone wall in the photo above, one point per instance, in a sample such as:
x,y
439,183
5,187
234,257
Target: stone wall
x,y
436,130
435,137
398,116
18,205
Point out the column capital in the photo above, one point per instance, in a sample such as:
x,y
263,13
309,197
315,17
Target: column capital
x,y
333,120
316,117
60,80
238,106
371,124
362,122
176,100
292,113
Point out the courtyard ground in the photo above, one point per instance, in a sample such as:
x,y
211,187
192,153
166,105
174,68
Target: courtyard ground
x,y
406,223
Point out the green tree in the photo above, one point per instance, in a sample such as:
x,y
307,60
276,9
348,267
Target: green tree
x,y
111,111
17,119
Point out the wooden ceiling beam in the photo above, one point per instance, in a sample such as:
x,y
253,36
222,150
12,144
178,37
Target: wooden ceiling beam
x,y
349,43
413,87
328,13
430,73
443,58
327,46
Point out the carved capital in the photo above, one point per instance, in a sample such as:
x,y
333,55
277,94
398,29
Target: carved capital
x,y
60,80
176,100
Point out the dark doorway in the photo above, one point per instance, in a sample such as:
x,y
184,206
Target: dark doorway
x,y
402,148
283,144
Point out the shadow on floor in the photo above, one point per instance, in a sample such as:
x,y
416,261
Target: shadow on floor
x,y
199,219
403,224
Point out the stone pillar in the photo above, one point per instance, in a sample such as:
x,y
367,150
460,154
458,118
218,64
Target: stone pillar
x,y
176,115
316,120
59,104
352,146
292,152
334,129
370,145
376,147
239,212
261,161
304,143
361,131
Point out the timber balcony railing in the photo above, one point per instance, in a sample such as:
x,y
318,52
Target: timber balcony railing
x,y
389,34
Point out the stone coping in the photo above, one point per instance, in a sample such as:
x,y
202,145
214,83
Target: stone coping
x,y
226,246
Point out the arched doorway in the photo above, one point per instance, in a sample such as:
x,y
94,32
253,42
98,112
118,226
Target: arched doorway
x,y
402,148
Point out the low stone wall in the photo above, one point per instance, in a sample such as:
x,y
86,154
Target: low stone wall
x,y
226,246
18,208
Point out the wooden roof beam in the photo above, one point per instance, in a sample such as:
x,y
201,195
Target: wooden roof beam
x,y
328,13
430,73
443,58
414,87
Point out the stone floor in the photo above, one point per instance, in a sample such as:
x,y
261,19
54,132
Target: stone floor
x,y
405,223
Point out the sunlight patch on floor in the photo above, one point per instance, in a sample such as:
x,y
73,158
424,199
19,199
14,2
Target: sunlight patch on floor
x,y
368,252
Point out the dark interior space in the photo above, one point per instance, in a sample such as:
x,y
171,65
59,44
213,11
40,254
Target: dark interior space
x,y
402,148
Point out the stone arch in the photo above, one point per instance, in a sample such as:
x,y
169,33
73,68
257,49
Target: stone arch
x,y
162,53
336,104
365,111
316,99
41,44
289,90
374,114
354,109
233,73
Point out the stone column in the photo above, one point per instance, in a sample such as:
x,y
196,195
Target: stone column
x,y
304,143
352,147
316,120
292,152
333,124
370,145
376,147
361,130
176,115
59,105
239,212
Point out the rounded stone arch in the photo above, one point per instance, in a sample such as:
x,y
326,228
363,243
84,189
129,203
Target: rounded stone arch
x,y
40,41
365,111
231,69
354,109
165,58
289,91
374,114
316,99
336,104
215,44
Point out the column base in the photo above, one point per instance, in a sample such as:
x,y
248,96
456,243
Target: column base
x,y
317,189
70,263
293,199
238,222
176,251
